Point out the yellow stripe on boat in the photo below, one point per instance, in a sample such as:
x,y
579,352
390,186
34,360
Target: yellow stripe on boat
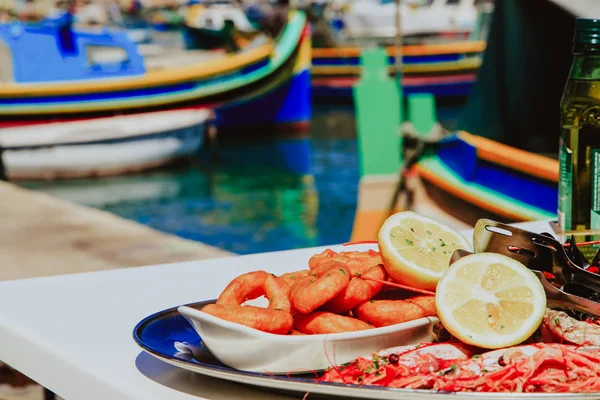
x,y
169,76
447,66
416,50
304,61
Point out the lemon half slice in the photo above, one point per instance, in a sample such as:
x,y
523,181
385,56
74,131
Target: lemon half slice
x,y
416,250
490,300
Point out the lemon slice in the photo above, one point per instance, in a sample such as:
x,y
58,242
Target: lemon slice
x,y
490,300
416,250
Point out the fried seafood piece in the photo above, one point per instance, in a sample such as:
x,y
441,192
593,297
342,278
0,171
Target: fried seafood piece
x,y
312,292
277,318
264,319
358,291
321,322
558,326
389,312
356,261
292,277
253,285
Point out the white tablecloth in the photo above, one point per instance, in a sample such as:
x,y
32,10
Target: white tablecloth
x,y
73,333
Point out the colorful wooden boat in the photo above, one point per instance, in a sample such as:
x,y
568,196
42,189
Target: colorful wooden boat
x,y
468,178
463,178
448,69
261,89
103,146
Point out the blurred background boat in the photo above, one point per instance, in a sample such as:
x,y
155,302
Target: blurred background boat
x,y
212,24
445,70
261,92
372,20
103,146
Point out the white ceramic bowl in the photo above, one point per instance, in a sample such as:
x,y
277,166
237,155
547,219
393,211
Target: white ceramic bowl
x,y
248,349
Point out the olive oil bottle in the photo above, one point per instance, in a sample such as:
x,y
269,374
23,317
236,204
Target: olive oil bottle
x,y
579,152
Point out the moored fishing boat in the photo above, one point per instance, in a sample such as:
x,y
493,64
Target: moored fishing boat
x,y
467,178
256,93
470,176
102,146
460,179
444,69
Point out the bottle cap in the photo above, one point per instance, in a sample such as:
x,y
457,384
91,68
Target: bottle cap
x,y
587,35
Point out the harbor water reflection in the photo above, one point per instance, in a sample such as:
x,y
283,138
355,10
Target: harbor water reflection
x,y
240,208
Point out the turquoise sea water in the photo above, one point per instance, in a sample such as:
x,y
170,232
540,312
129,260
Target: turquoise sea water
x,y
244,209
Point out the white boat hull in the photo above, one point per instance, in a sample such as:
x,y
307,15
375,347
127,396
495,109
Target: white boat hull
x,y
371,19
108,146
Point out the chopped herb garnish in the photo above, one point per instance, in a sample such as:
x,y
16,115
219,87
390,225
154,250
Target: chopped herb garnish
x,y
484,370
358,274
343,271
442,243
293,277
428,232
453,367
501,326
557,321
477,356
409,242
371,301
412,230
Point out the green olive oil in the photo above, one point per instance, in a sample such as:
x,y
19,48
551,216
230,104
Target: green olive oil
x,y
579,152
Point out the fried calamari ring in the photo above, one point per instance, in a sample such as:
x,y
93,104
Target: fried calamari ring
x,y
253,285
390,312
264,319
312,292
320,322
358,291
356,261
292,277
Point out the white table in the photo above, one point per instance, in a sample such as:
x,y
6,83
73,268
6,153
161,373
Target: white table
x,y
73,333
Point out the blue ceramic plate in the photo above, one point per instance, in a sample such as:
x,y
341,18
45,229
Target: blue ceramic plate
x,y
159,333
